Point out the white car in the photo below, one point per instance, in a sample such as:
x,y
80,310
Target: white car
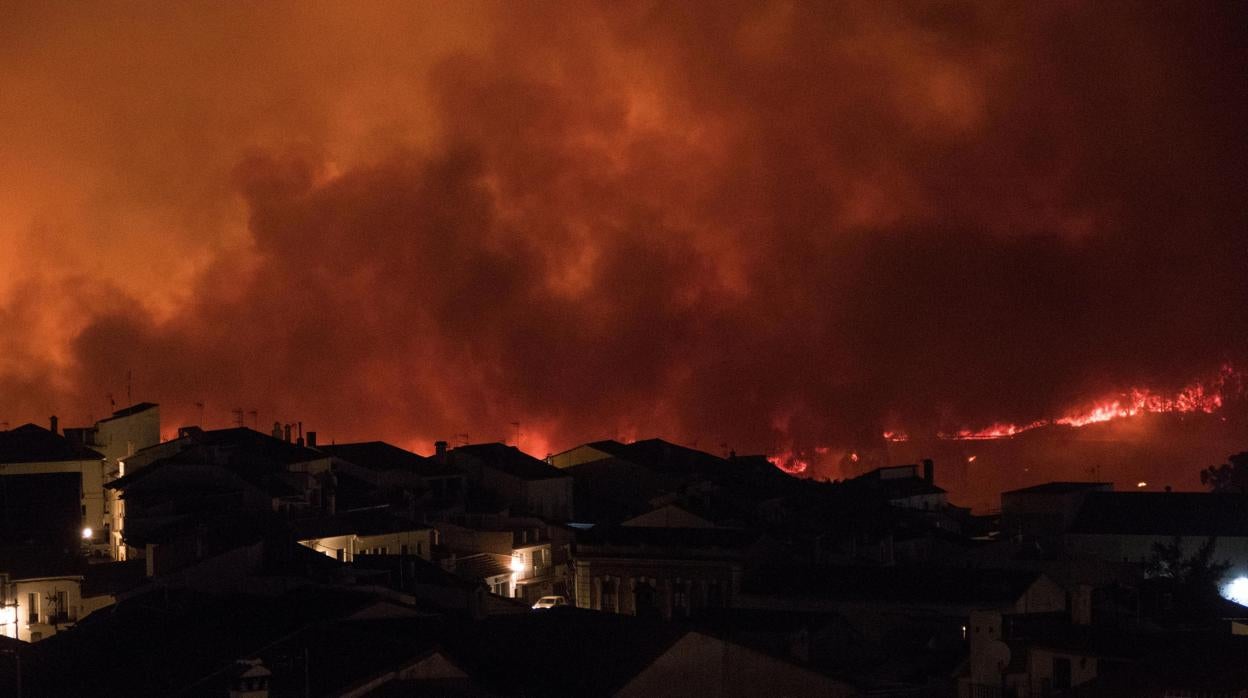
x,y
550,602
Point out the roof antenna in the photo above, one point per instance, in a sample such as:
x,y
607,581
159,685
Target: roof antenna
x,y
516,443
238,415
129,382
200,405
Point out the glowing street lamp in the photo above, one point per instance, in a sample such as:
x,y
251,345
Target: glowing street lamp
x,y
1236,590
87,533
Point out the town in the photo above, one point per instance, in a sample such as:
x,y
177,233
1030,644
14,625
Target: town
x,y
246,563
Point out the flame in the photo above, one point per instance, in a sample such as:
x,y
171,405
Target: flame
x,y
1196,397
999,430
789,462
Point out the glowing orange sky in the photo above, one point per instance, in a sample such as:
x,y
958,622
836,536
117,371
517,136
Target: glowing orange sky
x,y
775,226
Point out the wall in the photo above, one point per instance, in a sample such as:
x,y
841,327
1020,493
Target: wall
x,y
418,542
119,438
551,498
1043,513
1136,549
577,456
92,474
679,585
1040,667
71,586
1043,596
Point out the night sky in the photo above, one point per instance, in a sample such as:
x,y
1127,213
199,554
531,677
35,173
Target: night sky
x,y
778,227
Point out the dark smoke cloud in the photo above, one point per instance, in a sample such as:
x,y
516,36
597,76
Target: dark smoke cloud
x,y
769,226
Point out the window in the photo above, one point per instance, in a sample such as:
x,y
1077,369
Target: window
x,y
419,548
32,608
715,595
609,595
403,549
60,613
1061,673
680,598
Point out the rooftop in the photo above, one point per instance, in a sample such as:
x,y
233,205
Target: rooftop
x,y
131,410
949,585
1163,514
1064,488
480,566
510,460
379,455
31,443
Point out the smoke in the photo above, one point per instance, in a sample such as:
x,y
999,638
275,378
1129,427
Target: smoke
x,y
770,226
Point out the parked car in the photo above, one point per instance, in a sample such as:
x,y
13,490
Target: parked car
x,y
550,602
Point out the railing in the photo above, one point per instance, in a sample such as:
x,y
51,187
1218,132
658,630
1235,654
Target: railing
x,y
59,619
983,690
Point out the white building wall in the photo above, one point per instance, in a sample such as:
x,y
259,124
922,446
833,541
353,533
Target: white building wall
x,y
92,474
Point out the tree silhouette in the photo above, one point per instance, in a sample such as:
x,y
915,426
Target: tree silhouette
x,y
1192,581
1231,476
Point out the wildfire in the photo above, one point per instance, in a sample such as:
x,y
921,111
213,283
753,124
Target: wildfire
x,y
996,431
1196,397
789,463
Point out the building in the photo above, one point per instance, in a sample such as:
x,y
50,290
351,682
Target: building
x,y
534,551
526,484
1126,526
659,572
117,438
443,484
370,532
206,474
1046,510
43,592
51,489
903,486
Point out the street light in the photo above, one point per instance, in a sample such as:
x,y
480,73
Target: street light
x,y
1237,590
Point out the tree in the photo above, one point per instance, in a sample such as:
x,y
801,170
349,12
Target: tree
x,y
1192,582
1231,476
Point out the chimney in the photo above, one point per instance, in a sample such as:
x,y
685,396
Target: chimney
x,y
287,433
311,439
53,424
439,450
929,473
